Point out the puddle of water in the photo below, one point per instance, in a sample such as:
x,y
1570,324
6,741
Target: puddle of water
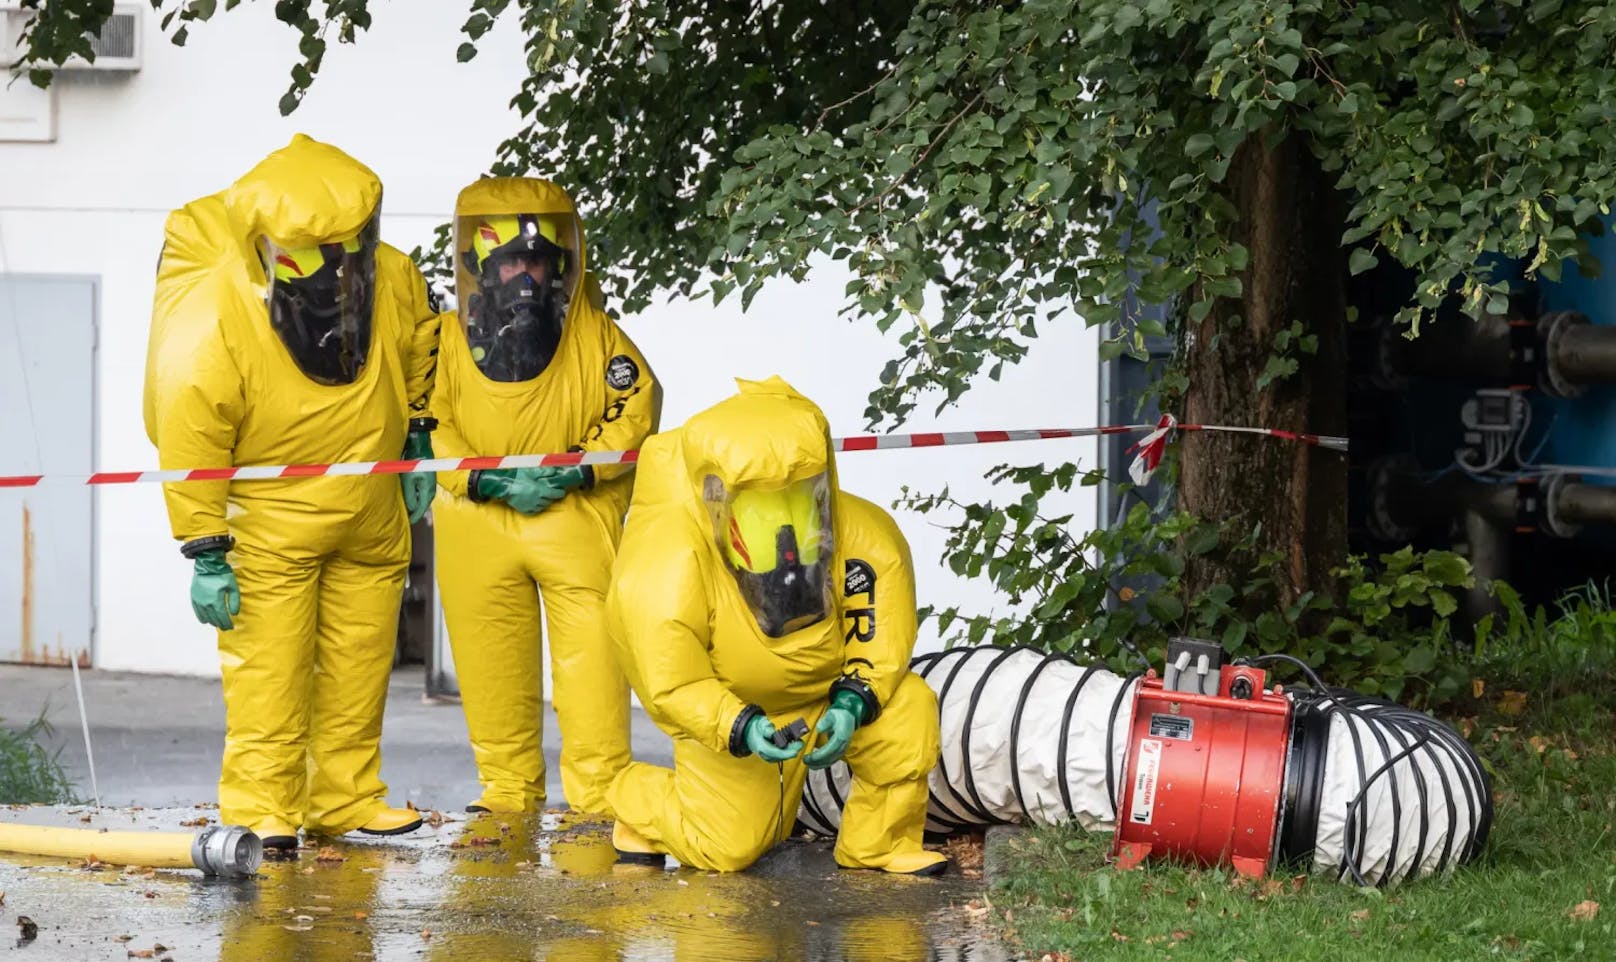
x,y
491,889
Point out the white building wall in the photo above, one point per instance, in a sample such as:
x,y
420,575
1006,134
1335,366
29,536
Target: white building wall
x,y
129,148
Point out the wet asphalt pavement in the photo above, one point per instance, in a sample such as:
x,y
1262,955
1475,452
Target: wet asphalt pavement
x,y
478,889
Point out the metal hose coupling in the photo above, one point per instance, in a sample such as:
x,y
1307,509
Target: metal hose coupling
x,y
231,851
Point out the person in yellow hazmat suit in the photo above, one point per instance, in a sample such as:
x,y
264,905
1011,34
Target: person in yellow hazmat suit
x,y
285,332
750,592
533,365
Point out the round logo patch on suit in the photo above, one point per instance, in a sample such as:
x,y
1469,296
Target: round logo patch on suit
x,y
860,579
622,372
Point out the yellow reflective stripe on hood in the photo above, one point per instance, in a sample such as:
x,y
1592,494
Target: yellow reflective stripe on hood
x,y
521,195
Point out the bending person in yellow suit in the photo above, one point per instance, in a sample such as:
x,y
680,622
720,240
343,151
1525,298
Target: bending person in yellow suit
x,y
284,332
533,366
750,592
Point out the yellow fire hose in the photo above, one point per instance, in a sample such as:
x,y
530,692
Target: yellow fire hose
x,y
227,850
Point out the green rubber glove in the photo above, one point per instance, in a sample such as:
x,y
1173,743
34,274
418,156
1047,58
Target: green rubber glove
x,y
419,486
215,596
760,739
840,720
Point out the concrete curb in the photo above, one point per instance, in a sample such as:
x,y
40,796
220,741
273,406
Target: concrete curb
x,y
997,855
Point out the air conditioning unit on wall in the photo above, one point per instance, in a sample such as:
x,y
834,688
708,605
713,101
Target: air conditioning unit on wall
x,y
117,46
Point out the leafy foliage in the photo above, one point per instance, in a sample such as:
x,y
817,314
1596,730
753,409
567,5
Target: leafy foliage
x,y
986,168
29,774
1558,654
1385,628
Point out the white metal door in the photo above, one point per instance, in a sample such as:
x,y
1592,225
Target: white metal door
x,y
47,426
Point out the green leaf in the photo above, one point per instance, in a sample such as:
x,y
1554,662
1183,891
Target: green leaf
x,y
1361,260
465,52
1197,145
1447,568
1164,607
1202,541
1419,661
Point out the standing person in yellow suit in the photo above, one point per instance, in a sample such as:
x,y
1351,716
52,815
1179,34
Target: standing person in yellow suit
x,y
285,332
750,592
533,365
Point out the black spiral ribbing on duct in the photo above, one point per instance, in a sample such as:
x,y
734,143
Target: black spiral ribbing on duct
x,y
1374,792
991,701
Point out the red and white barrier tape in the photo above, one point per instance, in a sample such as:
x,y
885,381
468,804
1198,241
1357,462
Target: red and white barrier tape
x,y
1150,448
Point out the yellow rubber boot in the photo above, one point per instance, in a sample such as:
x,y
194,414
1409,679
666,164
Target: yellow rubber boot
x,y
923,862
632,847
392,821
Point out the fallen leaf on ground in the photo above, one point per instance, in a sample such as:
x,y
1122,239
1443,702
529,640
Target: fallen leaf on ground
x,y
1118,936
84,818
1478,687
774,903
1180,935
1539,743
330,853
361,915
435,818
1054,957
426,935
1512,703
29,931
2,898
91,864
142,954
810,923
1584,911
197,822
965,851
1360,915
1298,883
125,938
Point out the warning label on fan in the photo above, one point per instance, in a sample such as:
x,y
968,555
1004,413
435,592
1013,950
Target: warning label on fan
x,y
1144,781
1172,726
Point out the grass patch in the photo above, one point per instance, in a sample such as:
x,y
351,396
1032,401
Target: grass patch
x,y
30,775
1551,854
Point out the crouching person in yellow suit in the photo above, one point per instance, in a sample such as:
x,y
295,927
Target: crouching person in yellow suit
x,y
533,365
750,592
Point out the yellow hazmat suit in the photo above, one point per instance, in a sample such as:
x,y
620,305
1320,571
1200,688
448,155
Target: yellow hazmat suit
x,y
596,393
320,561
703,665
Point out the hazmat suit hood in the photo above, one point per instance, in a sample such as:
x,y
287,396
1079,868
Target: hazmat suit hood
x,y
311,214
761,469
519,267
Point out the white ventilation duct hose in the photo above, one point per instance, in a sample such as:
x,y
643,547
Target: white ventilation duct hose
x,y
1374,792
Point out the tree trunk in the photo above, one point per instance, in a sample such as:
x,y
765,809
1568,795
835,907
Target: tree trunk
x,y
1291,222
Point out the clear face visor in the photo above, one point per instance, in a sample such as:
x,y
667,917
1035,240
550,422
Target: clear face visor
x,y
778,545
321,300
515,276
